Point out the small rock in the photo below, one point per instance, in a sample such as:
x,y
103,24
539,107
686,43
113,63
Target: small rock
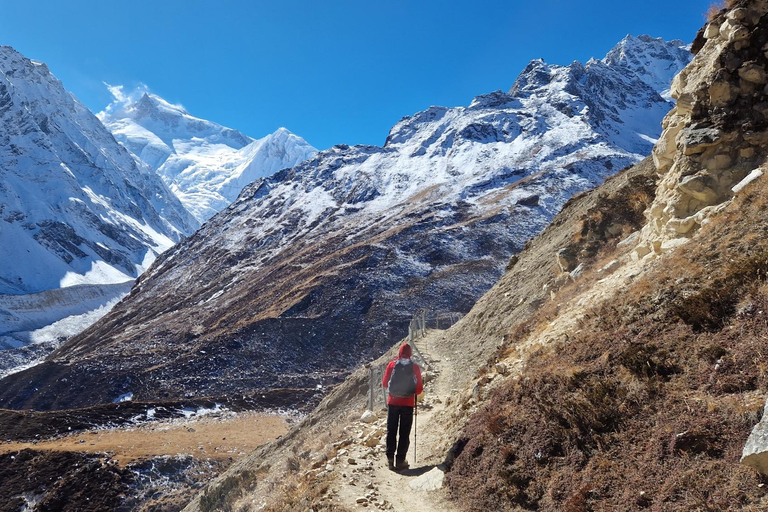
x,y
753,72
351,461
368,417
361,499
611,266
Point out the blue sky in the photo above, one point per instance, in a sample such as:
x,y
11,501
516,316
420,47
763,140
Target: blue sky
x,y
330,71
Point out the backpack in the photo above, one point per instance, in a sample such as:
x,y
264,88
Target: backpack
x,y
402,382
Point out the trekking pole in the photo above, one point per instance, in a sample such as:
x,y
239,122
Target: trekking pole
x,y
415,423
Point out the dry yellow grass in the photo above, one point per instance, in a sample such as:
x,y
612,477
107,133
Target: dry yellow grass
x,y
206,438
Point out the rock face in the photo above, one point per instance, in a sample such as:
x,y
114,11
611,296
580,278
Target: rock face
x,y
319,267
205,164
718,131
79,218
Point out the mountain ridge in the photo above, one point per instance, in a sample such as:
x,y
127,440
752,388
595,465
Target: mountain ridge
x,y
81,198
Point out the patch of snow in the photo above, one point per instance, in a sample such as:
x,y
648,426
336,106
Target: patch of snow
x,y
125,397
749,178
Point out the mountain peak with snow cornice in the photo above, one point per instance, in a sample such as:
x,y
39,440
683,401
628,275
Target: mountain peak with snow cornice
x,y
205,164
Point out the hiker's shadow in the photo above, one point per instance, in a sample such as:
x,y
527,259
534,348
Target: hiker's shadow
x,y
417,471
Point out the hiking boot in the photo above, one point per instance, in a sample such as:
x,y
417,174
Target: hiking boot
x,y
401,465
391,463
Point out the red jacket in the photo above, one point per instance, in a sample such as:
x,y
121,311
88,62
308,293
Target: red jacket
x,y
405,353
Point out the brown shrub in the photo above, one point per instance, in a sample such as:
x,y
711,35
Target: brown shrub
x,y
650,402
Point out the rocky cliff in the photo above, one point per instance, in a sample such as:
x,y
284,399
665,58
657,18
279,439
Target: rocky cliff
x,y
717,133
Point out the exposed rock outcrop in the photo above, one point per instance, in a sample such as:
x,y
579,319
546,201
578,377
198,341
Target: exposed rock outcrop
x,y
718,131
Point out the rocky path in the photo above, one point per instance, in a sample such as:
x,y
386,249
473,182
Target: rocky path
x,y
362,479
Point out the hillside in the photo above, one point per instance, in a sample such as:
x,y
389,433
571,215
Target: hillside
x,y
612,367
321,266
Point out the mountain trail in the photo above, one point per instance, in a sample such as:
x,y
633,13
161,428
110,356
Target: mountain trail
x,y
363,479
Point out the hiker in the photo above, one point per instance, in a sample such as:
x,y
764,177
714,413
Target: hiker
x,y
402,380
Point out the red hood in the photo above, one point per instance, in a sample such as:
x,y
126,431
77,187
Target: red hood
x,y
405,352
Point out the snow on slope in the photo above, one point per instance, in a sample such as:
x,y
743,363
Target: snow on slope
x,y
559,130
204,163
656,60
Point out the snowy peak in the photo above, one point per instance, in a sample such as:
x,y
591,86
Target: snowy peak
x,y
657,61
167,121
619,97
205,164
75,208
653,61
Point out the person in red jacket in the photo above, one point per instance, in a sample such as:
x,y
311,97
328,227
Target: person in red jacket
x,y
402,380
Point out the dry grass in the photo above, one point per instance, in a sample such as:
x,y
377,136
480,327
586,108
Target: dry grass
x,y
649,404
716,8
207,438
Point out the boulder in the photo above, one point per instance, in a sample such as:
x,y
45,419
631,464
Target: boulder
x,y
755,452
712,31
429,481
721,93
566,259
700,186
753,72
697,140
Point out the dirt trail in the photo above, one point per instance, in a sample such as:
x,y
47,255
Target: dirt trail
x,y
230,436
364,481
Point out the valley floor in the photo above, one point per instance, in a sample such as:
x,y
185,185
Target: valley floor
x,y
224,437
149,465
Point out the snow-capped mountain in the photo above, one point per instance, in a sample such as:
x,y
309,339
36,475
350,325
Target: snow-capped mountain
x,y
319,267
204,163
654,59
75,208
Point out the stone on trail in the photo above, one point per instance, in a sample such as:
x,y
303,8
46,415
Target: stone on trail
x,y
429,481
368,417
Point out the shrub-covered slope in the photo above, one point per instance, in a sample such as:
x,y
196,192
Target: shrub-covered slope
x,y
649,402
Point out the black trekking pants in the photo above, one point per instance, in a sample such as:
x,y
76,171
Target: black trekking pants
x,y
402,415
